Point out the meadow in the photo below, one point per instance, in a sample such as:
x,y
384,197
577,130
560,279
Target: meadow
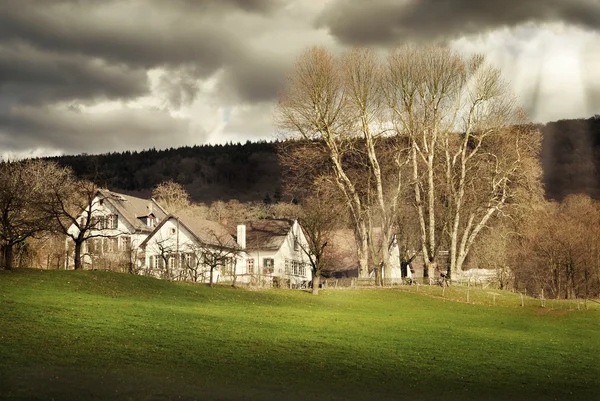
x,y
102,335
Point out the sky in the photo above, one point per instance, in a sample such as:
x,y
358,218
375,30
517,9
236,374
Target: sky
x,y
90,76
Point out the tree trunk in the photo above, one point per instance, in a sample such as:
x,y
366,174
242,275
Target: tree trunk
x,y
8,256
362,251
234,274
316,281
211,276
77,255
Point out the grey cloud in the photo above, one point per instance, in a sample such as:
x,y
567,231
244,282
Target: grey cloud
x,y
140,42
252,6
254,80
32,76
252,122
75,132
385,22
178,87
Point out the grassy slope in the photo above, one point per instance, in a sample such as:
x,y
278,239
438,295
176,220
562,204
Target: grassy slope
x,y
75,335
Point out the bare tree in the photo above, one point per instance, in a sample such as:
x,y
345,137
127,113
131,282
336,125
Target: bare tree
x,y
318,219
71,204
22,184
558,252
217,251
468,153
449,118
172,196
315,107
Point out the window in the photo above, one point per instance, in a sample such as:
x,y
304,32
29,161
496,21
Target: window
x,y
94,246
190,260
287,266
267,265
112,221
151,262
302,269
113,244
296,243
125,243
172,260
294,267
98,222
160,262
250,266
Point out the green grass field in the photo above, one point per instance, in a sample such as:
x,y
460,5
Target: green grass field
x,y
101,335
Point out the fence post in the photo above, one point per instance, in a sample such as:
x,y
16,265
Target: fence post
x,y
468,288
522,301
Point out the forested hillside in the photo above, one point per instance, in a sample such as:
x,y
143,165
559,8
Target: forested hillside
x,y
250,171
571,157
246,172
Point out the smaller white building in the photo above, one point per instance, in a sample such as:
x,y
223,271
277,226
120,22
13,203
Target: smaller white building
x,y
400,268
274,253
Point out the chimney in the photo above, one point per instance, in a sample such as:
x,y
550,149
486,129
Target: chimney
x,y
241,235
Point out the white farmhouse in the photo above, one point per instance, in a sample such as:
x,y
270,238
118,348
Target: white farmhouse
x,y
120,223
263,252
273,253
184,248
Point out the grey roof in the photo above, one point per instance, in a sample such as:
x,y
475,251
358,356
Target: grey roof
x,y
206,232
209,232
134,209
267,234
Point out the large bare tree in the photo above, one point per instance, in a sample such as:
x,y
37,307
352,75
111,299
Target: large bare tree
x,y
470,154
315,107
429,118
70,202
336,105
22,184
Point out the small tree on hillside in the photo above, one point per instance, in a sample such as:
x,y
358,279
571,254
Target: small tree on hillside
x,y
172,196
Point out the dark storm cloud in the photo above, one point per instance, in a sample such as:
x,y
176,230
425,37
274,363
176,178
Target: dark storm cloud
x,y
385,22
28,75
134,35
79,52
252,6
30,127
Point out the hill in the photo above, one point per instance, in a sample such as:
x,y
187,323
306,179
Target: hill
x,y
571,157
248,172
245,172
102,335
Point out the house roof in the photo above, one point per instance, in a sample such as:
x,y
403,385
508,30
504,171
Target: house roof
x,y
267,234
133,209
209,232
205,231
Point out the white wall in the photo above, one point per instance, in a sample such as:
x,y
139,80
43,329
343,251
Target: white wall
x,y
287,250
123,229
